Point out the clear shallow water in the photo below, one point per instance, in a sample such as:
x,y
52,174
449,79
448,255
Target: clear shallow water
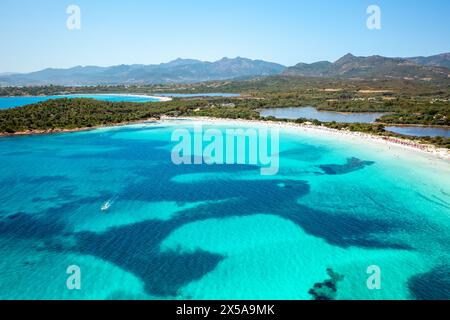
x,y
12,102
210,232
421,131
325,116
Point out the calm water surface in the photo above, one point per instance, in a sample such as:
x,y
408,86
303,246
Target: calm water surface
x,y
220,231
12,102
324,116
421,131
198,95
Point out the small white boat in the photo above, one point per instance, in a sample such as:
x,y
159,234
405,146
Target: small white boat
x,y
106,206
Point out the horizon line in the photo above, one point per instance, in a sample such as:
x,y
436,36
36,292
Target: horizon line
x,y
6,73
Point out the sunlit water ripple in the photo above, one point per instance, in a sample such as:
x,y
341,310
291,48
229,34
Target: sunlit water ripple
x,y
218,232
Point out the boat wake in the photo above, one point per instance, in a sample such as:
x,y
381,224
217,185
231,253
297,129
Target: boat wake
x,y
107,204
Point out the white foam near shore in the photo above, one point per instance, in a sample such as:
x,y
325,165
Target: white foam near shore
x,y
391,144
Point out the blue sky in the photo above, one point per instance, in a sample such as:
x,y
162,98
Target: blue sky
x,y
35,36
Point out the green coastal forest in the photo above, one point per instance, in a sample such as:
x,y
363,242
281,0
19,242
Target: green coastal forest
x,y
405,102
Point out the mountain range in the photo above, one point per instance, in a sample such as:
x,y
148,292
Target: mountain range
x,y
439,60
376,67
188,71
177,71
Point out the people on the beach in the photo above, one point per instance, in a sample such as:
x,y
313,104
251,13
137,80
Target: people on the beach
x,y
406,143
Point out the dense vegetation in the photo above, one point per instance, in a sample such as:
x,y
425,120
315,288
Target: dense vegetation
x,y
406,102
83,113
54,115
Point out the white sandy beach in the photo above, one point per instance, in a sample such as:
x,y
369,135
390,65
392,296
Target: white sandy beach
x,y
392,144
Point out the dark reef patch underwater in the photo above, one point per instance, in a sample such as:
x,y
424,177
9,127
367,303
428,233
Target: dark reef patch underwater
x,y
352,164
438,278
52,196
327,289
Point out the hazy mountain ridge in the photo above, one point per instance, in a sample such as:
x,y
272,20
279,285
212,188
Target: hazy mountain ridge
x,y
435,67
375,67
177,71
439,60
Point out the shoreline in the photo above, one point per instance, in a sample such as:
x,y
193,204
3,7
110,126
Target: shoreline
x,y
56,131
441,153
160,98
406,144
408,125
330,111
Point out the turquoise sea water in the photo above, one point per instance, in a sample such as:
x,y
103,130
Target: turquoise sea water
x,y
220,231
12,102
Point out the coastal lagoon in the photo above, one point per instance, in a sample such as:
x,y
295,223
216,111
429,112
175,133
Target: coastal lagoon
x,y
200,95
420,131
219,231
20,101
324,116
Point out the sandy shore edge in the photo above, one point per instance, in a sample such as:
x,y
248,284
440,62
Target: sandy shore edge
x,y
441,153
407,144
56,131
